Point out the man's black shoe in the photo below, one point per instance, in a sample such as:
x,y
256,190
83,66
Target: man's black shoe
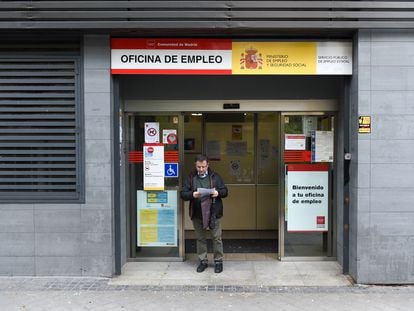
x,y
202,266
218,267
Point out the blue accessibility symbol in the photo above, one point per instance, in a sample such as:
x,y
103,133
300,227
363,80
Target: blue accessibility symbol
x,y
171,169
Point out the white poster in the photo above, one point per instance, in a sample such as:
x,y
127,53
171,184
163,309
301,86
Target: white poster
x,y
152,132
307,197
322,146
295,142
153,167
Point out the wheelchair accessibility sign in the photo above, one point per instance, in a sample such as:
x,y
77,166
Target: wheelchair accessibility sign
x,y
171,169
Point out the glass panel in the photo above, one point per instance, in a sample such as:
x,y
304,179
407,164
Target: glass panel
x,y
193,145
268,207
193,140
230,146
268,171
268,148
158,227
307,238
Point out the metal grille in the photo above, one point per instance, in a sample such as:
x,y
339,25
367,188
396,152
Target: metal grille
x,y
38,129
168,14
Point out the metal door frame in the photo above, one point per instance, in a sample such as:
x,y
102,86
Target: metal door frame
x,y
332,214
131,243
174,107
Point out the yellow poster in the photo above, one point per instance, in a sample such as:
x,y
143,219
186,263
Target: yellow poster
x,y
148,235
274,58
148,216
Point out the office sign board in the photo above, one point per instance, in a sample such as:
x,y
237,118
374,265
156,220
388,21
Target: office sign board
x,y
171,56
196,56
292,58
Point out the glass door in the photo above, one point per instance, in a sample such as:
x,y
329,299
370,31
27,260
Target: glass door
x,y
308,161
229,144
154,183
243,147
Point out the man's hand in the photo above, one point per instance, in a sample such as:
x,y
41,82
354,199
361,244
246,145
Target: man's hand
x,y
215,194
196,194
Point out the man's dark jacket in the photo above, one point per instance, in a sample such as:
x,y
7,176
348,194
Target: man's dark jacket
x,y
216,181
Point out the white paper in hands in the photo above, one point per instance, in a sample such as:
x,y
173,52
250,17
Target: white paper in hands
x,y
204,192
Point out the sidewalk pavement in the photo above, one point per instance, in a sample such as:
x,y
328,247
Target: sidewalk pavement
x,y
247,274
243,275
238,276
243,285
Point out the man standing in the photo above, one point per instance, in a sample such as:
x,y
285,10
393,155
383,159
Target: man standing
x,y
204,188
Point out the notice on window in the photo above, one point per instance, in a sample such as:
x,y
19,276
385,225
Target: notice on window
x,y
169,137
322,146
235,168
236,132
236,148
295,142
152,132
309,124
153,167
307,197
213,149
157,218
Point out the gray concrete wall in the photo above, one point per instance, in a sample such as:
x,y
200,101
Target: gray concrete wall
x,y
97,213
353,184
338,189
383,186
71,239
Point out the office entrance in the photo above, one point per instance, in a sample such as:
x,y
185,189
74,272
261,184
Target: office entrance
x,y
248,148
243,147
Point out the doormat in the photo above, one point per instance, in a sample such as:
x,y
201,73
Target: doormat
x,y
238,246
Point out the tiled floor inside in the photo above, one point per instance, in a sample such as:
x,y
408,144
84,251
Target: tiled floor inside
x,y
239,269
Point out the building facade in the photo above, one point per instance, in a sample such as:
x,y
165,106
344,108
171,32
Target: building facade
x,y
70,129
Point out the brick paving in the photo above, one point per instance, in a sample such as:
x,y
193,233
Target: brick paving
x,y
100,294
103,284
